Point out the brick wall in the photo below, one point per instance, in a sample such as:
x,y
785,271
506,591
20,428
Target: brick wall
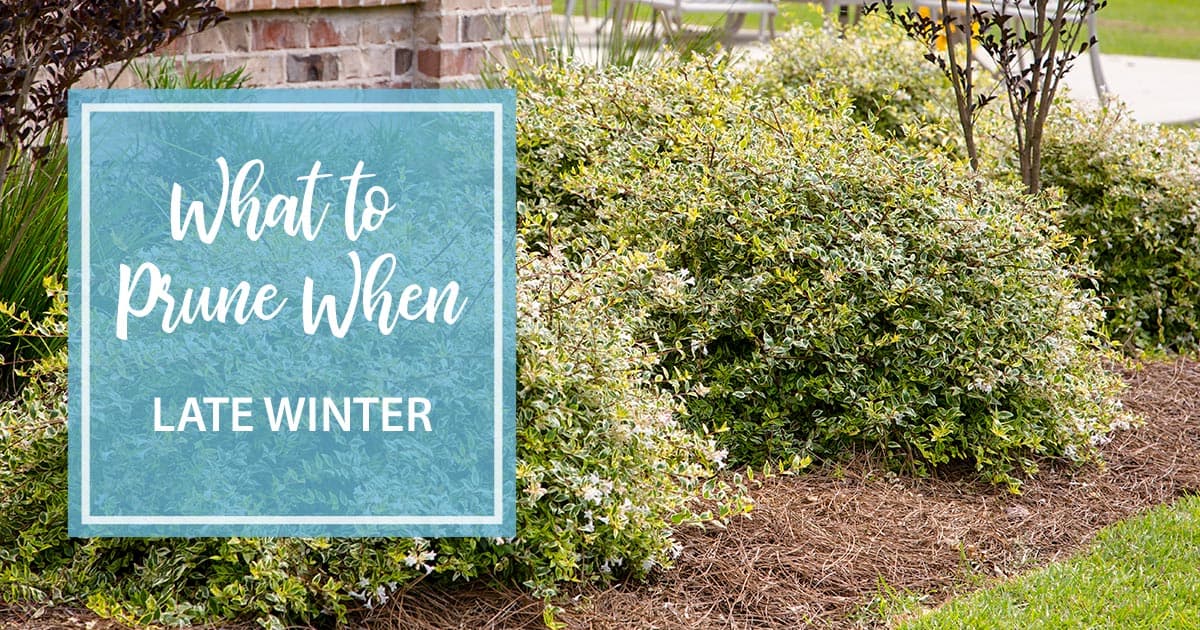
x,y
357,43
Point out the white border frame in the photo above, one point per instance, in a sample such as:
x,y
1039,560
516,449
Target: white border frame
x,y
85,515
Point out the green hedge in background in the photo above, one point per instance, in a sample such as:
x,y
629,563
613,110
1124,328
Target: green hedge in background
x,y
1131,196
876,69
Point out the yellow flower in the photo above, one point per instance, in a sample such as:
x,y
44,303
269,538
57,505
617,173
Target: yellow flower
x,y
940,42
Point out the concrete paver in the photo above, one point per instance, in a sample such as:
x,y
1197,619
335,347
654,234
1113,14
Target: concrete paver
x,y
1155,90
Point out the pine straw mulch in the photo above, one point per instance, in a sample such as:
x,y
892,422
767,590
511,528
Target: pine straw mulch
x,y
820,546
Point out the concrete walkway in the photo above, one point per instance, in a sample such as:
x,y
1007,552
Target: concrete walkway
x,y
1155,90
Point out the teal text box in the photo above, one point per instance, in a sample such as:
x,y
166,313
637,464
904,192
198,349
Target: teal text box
x,y
292,313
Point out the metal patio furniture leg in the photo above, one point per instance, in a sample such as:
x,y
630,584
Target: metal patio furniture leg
x,y
1094,57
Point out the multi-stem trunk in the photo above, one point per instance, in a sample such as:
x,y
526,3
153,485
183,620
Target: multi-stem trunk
x,y
962,81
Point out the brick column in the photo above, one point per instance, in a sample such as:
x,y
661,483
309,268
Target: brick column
x,y
455,38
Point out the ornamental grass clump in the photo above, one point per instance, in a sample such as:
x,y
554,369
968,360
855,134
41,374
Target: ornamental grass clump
x,y
33,249
842,293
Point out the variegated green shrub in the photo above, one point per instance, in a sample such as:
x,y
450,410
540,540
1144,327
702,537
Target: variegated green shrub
x,y
1131,196
874,67
844,292
1128,191
606,473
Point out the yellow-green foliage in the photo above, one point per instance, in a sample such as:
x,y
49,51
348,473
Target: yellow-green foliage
x,y
605,474
875,68
1131,197
841,292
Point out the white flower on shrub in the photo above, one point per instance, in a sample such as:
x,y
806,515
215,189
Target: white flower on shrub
x,y
369,598
592,494
596,489
982,385
420,556
717,455
535,490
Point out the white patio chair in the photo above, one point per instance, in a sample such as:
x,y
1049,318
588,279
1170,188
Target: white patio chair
x,y
1025,13
672,12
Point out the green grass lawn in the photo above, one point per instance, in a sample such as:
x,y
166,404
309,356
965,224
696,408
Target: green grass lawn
x,y
1153,28
1141,573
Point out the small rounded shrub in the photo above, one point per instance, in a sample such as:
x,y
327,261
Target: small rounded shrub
x,y
843,292
1131,197
605,474
876,68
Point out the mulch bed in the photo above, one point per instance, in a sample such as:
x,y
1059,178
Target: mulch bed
x,y
820,546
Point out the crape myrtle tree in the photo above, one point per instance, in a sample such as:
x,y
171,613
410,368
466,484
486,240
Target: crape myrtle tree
x,y
1031,42
47,45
